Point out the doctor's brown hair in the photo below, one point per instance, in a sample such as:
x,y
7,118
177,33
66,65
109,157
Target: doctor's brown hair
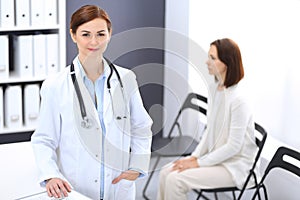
x,y
88,13
229,53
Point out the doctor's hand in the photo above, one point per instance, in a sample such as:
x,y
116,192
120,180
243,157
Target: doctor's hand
x,y
56,187
129,175
185,163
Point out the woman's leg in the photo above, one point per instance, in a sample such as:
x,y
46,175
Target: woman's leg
x,y
165,170
177,185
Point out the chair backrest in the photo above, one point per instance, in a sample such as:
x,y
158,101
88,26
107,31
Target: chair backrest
x,y
192,101
260,139
279,160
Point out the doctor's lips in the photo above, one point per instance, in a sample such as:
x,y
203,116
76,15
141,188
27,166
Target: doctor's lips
x,y
93,49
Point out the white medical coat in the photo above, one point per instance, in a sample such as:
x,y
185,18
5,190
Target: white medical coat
x,y
62,150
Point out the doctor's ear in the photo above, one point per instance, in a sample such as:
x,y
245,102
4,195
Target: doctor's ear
x,y
73,36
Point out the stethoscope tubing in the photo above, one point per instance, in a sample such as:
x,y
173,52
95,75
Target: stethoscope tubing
x,y
79,95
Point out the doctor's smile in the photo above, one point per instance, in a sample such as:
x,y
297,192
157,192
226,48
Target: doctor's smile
x,y
93,49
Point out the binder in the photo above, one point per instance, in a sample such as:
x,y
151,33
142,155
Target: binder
x,y
4,67
50,12
23,56
7,17
31,104
22,13
13,107
1,109
39,56
37,13
52,53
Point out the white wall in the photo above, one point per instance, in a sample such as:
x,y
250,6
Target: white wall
x,y
268,34
176,55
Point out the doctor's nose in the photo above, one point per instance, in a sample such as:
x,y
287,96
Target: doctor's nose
x,y
94,40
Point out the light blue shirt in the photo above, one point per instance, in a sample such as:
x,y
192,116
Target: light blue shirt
x,y
96,91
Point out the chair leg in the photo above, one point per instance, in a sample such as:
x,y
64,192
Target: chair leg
x,y
216,196
233,194
201,195
265,192
257,192
149,178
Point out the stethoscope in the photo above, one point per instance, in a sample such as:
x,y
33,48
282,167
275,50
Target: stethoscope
x,y
86,122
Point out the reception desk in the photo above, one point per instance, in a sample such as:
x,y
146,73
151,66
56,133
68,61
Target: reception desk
x,y
18,172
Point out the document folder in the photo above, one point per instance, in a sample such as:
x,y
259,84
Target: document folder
x,y
39,56
1,109
22,13
50,12
37,13
13,106
52,51
31,105
7,14
4,68
23,47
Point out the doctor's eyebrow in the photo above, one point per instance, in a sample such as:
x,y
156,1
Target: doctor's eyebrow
x,y
85,31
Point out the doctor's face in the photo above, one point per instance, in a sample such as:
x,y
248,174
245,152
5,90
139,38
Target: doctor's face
x,y
91,38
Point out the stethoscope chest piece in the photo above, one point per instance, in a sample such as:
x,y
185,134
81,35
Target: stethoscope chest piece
x,y
86,123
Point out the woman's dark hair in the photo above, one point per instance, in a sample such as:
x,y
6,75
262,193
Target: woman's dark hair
x,y
229,53
88,13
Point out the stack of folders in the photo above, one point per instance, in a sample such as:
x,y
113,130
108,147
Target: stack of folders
x,y
19,114
35,55
27,13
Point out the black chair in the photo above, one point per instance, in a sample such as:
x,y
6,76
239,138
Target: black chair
x,y
181,145
260,139
278,161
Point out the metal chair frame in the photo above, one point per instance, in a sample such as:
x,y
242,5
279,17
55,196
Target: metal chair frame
x,y
181,145
278,161
260,141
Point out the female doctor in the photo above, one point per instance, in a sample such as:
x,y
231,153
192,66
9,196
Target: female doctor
x,y
94,135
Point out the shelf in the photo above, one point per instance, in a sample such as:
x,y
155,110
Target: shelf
x,y
16,130
21,80
12,76
16,29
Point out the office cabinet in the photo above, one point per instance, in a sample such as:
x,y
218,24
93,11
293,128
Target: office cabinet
x,y
32,46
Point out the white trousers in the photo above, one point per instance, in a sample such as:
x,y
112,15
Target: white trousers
x,y
175,186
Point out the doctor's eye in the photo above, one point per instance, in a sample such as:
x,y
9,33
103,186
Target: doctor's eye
x,y
101,34
86,35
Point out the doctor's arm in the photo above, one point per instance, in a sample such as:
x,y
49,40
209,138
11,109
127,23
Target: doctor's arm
x,y
45,140
141,135
140,141
140,132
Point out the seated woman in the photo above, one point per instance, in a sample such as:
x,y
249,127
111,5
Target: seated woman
x,y
227,149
